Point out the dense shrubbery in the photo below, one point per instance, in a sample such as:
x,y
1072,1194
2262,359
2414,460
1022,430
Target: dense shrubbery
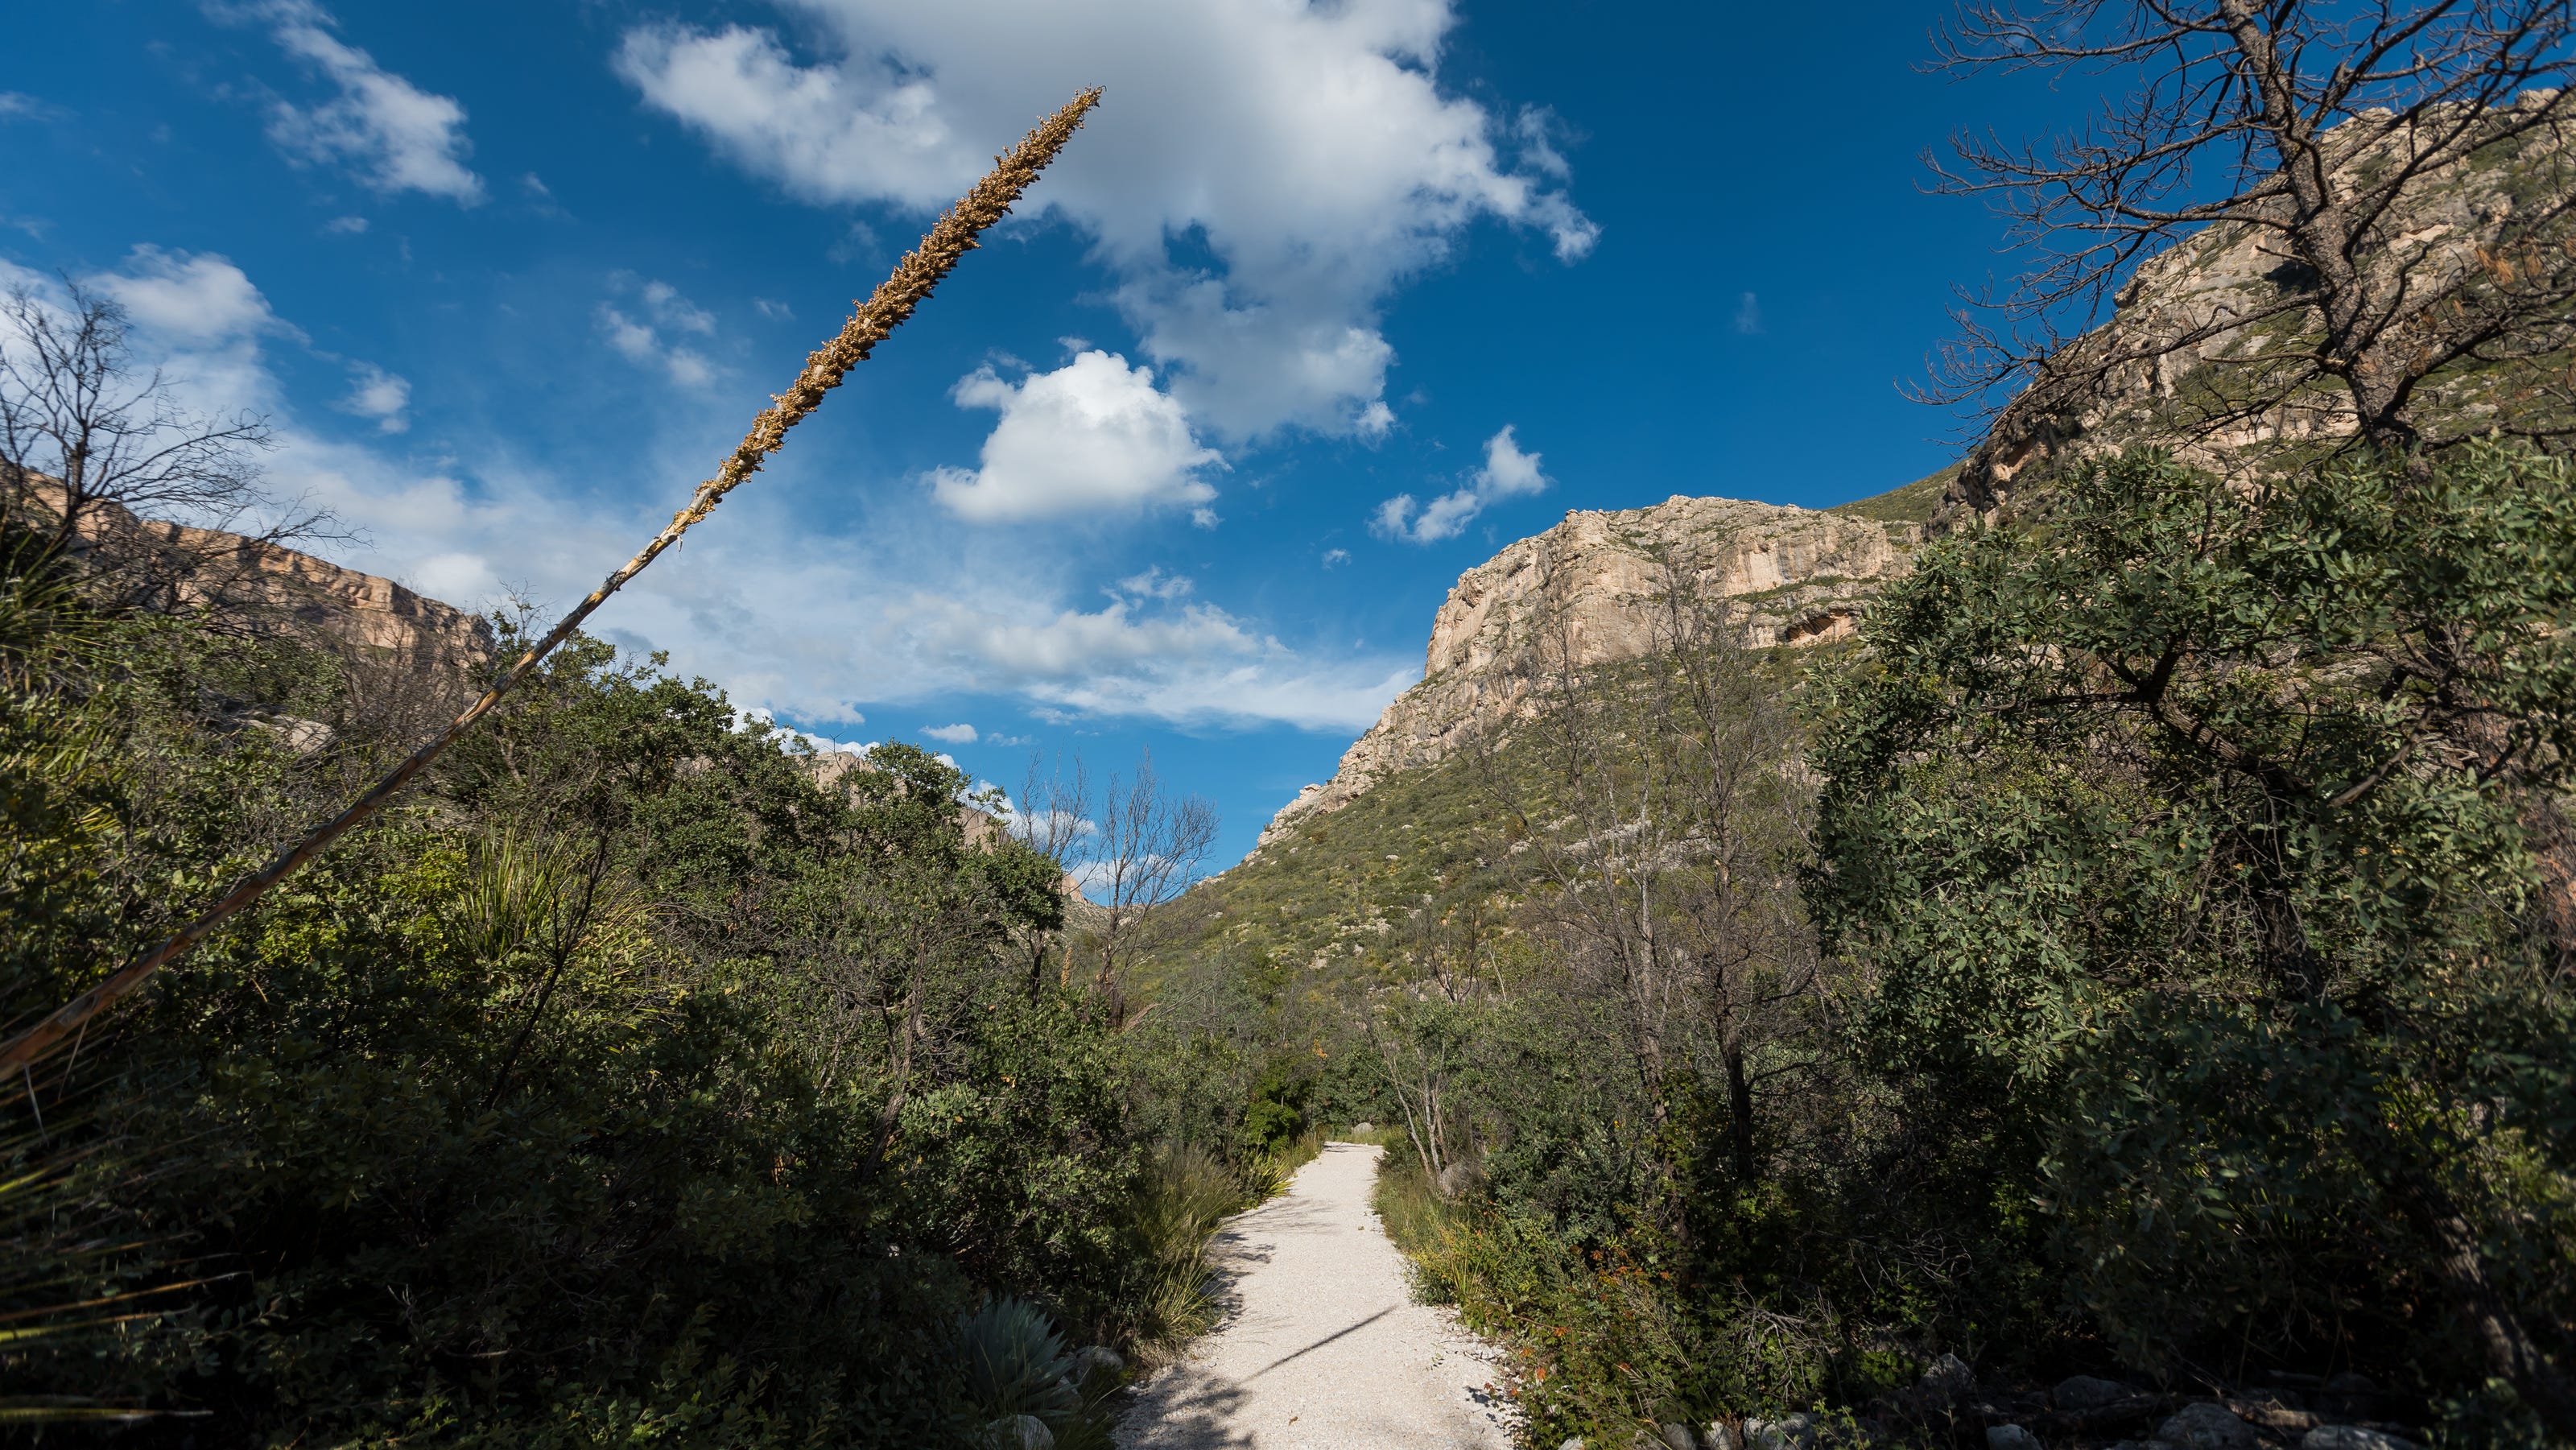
x,y
2151,960
625,1084
2181,992
2212,842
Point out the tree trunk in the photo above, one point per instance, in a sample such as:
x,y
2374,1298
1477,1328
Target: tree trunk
x,y
2321,233
892,1114
1739,1108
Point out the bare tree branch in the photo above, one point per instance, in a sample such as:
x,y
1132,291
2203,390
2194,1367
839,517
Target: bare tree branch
x,y
2372,201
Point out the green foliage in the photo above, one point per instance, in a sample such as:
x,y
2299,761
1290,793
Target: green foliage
x,y
2197,839
1276,1117
1186,1193
625,1084
1015,1362
2193,868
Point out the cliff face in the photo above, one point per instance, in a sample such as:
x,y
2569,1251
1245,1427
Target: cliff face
x,y
269,588
1795,576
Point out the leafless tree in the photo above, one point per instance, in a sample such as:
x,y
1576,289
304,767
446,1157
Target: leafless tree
x,y
1053,818
90,440
1150,846
1419,1043
1718,712
2334,138
1453,946
1666,815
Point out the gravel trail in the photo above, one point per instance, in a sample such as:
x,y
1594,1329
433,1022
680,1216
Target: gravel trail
x,y
1321,1346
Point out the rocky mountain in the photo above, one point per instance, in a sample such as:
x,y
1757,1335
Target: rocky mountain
x,y
2189,326
1796,576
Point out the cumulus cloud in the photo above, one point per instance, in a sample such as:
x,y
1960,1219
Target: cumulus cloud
x,y
1508,473
950,734
1092,437
395,136
375,393
1311,151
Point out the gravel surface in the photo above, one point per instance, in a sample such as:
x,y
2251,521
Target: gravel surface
x,y
1321,1346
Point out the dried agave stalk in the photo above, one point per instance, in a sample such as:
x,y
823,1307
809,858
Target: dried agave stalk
x,y
894,300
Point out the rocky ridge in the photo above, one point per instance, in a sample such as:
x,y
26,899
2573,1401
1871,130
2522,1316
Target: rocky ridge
x,y
269,588
1796,576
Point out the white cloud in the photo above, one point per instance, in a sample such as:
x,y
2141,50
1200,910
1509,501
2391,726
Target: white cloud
x,y
187,300
950,734
1155,584
345,226
34,108
1092,437
1310,150
1194,664
375,393
673,310
747,717
1748,314
1336,556
1508,473
810,623
396,136
637,340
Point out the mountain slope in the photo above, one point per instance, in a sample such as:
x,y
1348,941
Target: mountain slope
x,y
1796,576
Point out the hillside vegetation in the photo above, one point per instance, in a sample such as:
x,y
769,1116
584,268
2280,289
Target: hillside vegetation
x,y
2145,960
2121,989
624,1084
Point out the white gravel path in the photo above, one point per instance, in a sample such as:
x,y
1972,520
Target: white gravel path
x,y
1321,1347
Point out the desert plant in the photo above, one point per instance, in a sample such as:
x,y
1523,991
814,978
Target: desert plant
x,y
1014,1362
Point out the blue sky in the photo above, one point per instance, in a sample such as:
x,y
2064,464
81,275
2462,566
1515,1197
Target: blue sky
x,y
1327,304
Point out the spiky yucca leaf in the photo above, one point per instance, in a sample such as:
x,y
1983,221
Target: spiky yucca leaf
x,y
1014,1361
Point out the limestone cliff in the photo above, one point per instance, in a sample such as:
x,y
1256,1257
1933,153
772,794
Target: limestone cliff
x,y
1796,576
265,587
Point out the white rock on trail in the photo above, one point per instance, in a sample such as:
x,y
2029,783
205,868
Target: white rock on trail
x,y
1322,1347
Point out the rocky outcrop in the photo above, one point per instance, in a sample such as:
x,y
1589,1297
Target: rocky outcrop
x,y
266,588
1794,576
2223,314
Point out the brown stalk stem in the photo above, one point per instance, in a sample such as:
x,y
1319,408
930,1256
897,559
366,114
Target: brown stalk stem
x,y
952,237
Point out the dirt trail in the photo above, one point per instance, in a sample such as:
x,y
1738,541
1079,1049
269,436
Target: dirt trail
x,y
1321,1347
